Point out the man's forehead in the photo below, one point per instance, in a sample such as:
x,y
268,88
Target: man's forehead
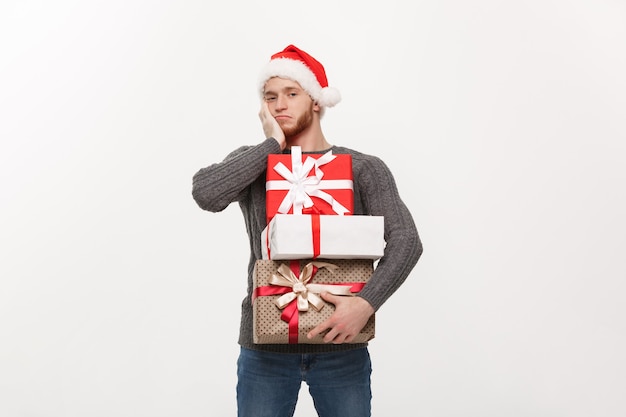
x,y
280,83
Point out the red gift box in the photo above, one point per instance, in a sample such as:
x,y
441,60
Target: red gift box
x,y
310,183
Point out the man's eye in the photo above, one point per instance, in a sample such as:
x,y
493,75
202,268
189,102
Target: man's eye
x,y
268,98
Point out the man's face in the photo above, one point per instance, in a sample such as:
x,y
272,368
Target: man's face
x,y
291,106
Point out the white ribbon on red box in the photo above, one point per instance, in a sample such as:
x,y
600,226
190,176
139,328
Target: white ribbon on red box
x,y
301,187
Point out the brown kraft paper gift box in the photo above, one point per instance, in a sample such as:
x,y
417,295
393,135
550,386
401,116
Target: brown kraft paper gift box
x,y
290,324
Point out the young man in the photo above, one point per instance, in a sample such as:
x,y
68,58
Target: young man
x,y
295,94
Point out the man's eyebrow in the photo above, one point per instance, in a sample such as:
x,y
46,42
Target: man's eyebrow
x,y
285,89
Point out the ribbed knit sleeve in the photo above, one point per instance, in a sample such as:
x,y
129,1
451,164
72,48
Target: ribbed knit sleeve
x,y
222,183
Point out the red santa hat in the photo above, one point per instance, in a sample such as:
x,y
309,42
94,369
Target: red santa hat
x,y
295,64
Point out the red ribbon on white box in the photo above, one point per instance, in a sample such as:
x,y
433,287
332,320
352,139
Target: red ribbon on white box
x,y
301,187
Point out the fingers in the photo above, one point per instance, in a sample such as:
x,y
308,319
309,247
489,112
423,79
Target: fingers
x,y
271,128
264,115
333,335
336,332
264,111
320,328
323,326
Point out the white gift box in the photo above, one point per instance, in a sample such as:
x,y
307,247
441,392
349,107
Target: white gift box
x,y
292,236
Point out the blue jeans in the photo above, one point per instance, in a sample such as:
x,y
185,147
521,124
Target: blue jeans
x,y
339,383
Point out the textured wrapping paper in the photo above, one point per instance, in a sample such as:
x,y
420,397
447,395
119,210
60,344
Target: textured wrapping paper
x,y
290,236
313,183
277,314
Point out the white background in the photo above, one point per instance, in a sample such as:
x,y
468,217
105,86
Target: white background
x,y
503,123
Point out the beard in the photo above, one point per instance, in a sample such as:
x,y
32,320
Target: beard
x,y
302,123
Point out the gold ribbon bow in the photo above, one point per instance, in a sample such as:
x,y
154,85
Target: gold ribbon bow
x,y
302,291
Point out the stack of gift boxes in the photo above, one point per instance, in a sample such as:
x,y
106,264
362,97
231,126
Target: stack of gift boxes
x,y
312,243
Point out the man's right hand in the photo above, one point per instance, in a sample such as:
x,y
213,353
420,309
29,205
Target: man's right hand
x,y
271,128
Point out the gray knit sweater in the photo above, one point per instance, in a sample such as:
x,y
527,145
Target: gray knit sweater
x,y
241,177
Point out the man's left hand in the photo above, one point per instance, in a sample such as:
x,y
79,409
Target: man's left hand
x,y
350,316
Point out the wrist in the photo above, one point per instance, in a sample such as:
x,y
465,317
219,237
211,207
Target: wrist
x,y
366,305
281,143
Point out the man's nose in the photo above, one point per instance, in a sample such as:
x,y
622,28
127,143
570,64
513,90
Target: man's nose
x,y
281,102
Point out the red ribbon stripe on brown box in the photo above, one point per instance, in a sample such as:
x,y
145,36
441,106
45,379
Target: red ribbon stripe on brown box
x,y
286,301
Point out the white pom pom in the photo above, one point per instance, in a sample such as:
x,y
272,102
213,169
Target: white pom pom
x,y
329,96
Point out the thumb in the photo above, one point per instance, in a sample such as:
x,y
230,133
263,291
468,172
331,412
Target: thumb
x,y
326,296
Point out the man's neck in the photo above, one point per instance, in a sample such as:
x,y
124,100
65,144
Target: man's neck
x,y
311,140
309,146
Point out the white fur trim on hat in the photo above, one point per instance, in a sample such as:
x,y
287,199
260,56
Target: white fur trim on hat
x,y
299,72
